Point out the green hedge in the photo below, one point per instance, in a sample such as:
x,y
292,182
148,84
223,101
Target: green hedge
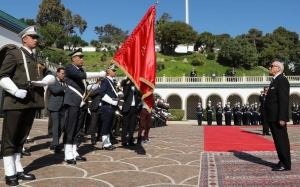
x,y
177,113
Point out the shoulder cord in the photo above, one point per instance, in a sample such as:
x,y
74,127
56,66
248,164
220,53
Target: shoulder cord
x,y
112,87
25,66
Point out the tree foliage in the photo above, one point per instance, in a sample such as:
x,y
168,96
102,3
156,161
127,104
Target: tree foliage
x,y
207,39
175,33
238,53
111,34
55,12
50,32
28,21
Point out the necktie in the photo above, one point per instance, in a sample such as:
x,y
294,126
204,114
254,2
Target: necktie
x,y
32,55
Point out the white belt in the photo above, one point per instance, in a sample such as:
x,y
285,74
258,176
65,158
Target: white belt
x,y
76,91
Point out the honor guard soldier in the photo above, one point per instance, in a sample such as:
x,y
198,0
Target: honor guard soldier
x,y
228,114
199,113
255,114
23,79
239,115
209,113
298,114
294,114
247,114
109,105
75,92
219,114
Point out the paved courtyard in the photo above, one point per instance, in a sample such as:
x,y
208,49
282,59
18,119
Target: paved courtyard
x,y
172,158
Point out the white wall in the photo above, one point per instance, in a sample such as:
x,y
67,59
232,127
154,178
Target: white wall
x,y
204,93
184,48
9,37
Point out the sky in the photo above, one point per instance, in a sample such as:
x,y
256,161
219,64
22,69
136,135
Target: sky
x,y
233,17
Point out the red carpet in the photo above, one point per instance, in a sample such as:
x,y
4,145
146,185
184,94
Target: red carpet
x,y
224,139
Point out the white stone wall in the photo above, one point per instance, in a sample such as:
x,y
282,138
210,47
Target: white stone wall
x,y
204,93
9,37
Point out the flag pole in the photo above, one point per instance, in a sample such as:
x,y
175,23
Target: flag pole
x,y
157,2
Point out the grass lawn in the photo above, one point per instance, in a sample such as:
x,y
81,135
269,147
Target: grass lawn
x,y
92,62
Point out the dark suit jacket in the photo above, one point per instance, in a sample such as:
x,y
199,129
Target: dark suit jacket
x,y
96,99
57,96
74,77
277,100
128,95
13,67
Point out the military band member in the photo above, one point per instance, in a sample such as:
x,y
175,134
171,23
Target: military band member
x,y
228,114
219,114
199,113
74,78
96,121
109,105
209,113
298,114
23,79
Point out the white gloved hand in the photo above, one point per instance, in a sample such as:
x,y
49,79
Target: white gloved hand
x,y
95,86
39,83
120,94
102,74
89,111
21,93
115,103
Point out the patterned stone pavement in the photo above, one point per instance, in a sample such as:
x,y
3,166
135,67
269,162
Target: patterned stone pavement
x,y
172,158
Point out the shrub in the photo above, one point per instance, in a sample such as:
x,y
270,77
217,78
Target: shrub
x,y
196,62
177,113
211,56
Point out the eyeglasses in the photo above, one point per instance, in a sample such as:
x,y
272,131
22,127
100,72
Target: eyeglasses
x,y
114,70
34,36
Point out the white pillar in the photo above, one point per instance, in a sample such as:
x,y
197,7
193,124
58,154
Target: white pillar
x,y
187,11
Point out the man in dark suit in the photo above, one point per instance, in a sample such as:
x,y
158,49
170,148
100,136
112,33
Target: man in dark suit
x,y
277,114
264,121
56,109
109,105
96,121
74,94
129,111
23,79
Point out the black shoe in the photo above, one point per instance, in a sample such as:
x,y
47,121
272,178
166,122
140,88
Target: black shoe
x,y
94,142
99,139
29,140
80,135
110,148
71,161
57,149
23,176
11,180
268,134
25,153
281,169
131,144
124,144
52,147
80,158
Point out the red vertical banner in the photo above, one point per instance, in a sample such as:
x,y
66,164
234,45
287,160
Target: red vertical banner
x,y
137,57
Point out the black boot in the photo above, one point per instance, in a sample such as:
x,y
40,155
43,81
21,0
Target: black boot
x,y
11,180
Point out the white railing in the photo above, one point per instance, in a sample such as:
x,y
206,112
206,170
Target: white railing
x,y
215,80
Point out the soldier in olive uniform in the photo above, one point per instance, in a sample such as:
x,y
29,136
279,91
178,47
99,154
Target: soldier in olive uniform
x,y
23,79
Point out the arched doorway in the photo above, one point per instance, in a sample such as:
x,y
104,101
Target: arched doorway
x,y
174,101
234,99
215,99
191,106
253,98
294,98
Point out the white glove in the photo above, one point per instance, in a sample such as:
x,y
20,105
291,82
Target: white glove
x,y
95,86
39,83
120,94
49,79
90,75
114,103
88,110
21,93
102,74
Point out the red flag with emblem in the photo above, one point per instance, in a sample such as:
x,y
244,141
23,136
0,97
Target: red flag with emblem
x,y
137,57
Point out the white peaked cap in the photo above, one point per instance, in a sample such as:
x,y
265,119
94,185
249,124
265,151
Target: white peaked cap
x,y
31,30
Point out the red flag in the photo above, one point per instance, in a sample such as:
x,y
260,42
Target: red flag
x,y
137,57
